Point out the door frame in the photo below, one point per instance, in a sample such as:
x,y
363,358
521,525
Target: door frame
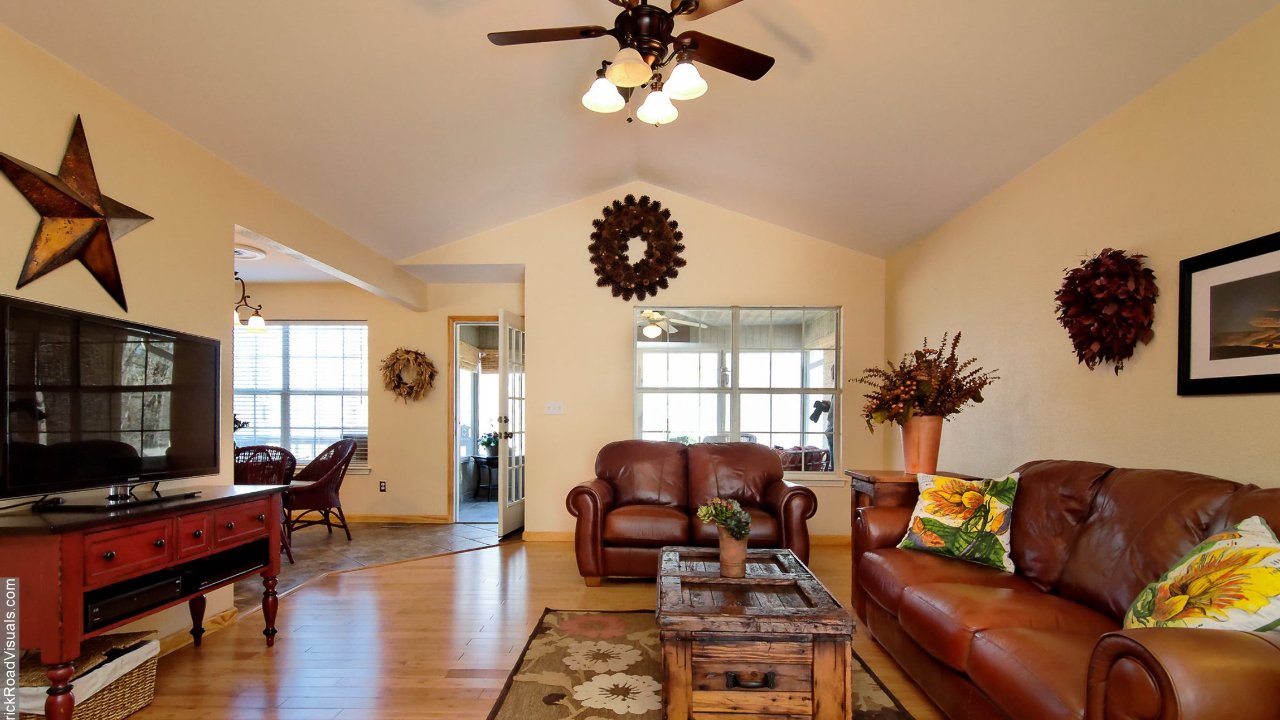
x,y
450,423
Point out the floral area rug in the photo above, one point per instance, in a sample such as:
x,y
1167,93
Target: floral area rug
x,y
584,665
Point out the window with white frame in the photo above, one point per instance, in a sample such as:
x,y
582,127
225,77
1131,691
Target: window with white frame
x,y
303,386
758,374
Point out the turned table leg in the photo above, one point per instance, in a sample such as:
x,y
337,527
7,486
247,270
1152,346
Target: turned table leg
x,y
269,605
196,606
60,702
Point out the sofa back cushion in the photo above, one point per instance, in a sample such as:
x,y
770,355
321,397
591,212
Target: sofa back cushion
x,y
740,471
1143,521
644,472
1248,501
1053,501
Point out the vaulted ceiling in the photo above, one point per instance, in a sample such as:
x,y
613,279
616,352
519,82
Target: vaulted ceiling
x,y
397,122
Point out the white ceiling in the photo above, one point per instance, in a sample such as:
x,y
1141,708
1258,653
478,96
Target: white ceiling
x,y
399,123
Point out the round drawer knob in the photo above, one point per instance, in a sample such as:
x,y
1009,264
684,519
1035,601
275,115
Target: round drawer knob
x,y
159,542
109,555
198,534
230,526
262,517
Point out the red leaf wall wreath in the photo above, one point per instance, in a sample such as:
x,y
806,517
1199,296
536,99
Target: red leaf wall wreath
x,y
1107,305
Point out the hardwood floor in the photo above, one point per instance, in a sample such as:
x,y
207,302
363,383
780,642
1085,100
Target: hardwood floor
x,y
419,640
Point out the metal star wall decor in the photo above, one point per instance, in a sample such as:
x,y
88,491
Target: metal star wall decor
x,y
77,222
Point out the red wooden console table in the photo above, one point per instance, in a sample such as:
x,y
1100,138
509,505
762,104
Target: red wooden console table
x,y
83,574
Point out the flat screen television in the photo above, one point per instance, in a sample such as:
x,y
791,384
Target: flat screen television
x,y
95,402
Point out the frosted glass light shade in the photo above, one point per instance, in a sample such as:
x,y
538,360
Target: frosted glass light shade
x,y
651,331
629,69
657,109
603,97
685,83
256,324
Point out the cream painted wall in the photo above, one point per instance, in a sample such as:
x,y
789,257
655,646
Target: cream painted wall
x,y
408,443
733,260
176,269
1190,166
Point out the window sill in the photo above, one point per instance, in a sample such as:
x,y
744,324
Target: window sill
x,y
815,479
366,470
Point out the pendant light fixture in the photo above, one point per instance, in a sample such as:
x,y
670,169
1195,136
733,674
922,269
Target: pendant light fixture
x,y
603,97
256,323
657,108
686,82
629,69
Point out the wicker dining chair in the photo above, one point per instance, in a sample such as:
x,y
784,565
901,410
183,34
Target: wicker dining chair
x,y
324,477
267,465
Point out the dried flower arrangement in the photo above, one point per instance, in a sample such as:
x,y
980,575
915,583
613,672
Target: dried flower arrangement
x,y
928,381
728,514
1107,306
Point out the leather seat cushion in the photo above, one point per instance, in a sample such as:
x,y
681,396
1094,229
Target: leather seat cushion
x,y
1040,674
943,618
765,531
883,574
646,526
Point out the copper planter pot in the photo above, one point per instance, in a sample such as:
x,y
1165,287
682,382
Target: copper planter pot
x,y
921,437
733,555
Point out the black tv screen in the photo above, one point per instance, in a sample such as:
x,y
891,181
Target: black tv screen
x,y
96,402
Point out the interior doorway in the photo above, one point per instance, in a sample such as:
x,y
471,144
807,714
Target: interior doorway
x,y
475,402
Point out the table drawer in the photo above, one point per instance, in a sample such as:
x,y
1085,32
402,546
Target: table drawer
x,y
238,524
768,677
127,552
195,535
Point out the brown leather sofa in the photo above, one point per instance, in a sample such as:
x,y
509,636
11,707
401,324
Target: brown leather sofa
x,y
1046,643
645,494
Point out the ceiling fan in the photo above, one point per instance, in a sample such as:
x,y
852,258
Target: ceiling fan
x,y
646,46
655,323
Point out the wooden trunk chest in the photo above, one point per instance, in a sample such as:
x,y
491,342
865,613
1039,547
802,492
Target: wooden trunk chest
x,y
772,644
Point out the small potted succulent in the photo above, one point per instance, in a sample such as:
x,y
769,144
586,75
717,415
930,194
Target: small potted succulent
x,y
488,443
734,525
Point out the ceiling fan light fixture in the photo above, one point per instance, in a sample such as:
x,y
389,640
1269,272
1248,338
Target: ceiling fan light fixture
x,y
686,82
603,97
629,69
651,331
657,108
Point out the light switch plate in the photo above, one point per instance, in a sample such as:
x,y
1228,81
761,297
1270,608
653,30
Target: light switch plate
x,y
555,407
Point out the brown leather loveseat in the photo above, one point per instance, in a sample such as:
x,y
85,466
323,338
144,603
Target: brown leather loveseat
x,y
1045,643
645,494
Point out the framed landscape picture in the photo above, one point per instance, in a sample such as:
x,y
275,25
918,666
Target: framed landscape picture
x,y
1229,320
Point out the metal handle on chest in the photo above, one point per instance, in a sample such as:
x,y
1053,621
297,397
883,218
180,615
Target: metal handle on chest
x,y
732,681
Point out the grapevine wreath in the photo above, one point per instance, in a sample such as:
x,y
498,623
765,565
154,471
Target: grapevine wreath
x,y
644,219
408,374
1107,306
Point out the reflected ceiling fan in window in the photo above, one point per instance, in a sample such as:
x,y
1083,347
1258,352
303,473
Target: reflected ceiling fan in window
x,y
654,324
646,45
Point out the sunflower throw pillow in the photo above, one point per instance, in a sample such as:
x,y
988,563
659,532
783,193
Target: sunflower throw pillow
x,y
1231,581
964,519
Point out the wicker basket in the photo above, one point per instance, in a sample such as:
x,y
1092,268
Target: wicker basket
x,y
128,694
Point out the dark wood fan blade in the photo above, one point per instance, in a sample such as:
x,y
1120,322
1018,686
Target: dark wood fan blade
x,y
522,37
705,7
725,55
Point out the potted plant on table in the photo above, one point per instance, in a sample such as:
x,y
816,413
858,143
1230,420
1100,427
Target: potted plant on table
x,y
488,443
927,386
734,525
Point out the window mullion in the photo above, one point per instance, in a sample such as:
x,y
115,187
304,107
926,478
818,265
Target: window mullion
x,y
285,440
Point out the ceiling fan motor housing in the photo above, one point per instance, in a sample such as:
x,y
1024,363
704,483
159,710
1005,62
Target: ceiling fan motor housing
x,y
646,28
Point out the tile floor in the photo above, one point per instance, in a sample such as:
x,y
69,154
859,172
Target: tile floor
x,y
317,552
478,511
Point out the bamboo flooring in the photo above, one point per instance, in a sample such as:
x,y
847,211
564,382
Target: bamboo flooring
x,y
421,640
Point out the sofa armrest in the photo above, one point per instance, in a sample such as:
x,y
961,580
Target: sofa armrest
x,y
589,502
880,527
793,505
1184,674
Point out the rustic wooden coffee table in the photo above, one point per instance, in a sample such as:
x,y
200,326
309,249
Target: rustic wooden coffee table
x,y
772,644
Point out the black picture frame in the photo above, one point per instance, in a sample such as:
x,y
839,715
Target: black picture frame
x,y
1219,293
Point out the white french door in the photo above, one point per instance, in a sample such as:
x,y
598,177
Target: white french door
x,y
511,422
